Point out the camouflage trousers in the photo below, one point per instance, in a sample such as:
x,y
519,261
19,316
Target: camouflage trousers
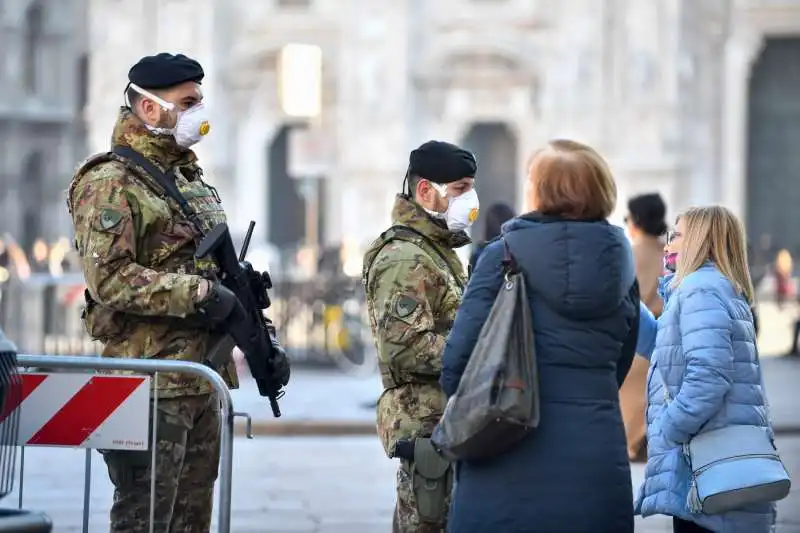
x,y
187,459
406,518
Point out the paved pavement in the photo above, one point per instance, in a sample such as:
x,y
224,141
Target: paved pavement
x,y
338,485
291,484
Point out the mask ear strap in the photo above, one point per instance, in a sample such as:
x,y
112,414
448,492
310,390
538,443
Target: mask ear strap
x,y
147,94
441,188
125,96
407,182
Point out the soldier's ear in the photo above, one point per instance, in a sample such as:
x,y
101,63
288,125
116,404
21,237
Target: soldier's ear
x,y
423,189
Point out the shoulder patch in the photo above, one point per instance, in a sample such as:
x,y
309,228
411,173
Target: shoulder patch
x,y
405,306
109,218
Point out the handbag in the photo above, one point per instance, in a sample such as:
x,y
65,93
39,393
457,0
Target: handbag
x,y
497,401
734,466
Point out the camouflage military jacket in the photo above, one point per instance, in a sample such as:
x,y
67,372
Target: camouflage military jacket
x,y
413,287
137,251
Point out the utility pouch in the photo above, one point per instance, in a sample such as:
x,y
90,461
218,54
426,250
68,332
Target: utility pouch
x,y
127,468
432,479
102,324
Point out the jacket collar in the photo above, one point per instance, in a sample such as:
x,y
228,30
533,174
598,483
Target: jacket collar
x,y
665,288
160,149
407,212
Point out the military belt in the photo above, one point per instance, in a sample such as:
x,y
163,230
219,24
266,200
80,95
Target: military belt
x,y
390,383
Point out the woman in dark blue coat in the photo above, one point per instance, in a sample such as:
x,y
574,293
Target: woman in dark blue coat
x,y
571,474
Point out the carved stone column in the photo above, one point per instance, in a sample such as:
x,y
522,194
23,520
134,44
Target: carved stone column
x,y
372,122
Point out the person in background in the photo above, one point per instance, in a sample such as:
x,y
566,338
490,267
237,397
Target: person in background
x,y
706,373
497,215
572,472
646,224
783,291
783,277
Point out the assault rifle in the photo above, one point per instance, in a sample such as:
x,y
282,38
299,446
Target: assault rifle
x,y
250,333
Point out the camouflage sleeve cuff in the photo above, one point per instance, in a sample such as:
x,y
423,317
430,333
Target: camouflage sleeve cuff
x,y
184,295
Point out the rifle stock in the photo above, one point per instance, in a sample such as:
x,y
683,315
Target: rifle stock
x,y
246,327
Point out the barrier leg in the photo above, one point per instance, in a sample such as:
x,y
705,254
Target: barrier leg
x,y
226,465
21,473
154,447
87,489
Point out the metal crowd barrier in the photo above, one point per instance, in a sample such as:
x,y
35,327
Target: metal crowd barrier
x,y
151,367
322,321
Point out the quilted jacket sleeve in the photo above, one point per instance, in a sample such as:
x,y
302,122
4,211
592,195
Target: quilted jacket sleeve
x,y
706,339
472,314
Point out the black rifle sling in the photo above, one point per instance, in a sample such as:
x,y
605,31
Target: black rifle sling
x,y
165,179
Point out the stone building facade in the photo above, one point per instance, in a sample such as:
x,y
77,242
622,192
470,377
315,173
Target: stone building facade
x,y
662,89
43,90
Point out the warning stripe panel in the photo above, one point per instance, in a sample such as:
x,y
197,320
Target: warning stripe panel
x,y
20,391
48,398
83,413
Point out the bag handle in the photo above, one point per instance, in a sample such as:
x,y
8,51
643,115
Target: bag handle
x,y
509,262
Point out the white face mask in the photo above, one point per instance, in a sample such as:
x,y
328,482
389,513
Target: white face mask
x,y
191,126
462,210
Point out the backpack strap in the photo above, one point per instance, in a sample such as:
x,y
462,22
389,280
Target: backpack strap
x,y
162,183
408,234
165,179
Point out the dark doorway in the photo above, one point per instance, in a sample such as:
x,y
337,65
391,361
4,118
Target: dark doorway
x,y
773,156
287,201
32,185
495,147
32,51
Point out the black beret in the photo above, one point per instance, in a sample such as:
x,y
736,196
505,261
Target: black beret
x,y
165,70
442,162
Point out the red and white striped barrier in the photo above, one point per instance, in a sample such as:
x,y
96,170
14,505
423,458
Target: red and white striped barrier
x,y
82,410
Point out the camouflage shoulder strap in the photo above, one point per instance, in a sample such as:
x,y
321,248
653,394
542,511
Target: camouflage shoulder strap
x,y
161,183
105,157
408,234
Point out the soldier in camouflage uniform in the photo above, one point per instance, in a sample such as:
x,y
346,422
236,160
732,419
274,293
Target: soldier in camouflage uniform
x,y
414,282
148,297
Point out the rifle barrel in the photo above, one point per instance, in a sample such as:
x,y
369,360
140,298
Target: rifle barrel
x,y
246,243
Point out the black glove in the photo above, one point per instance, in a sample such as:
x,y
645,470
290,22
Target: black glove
x,y
404,449
280,362
218,304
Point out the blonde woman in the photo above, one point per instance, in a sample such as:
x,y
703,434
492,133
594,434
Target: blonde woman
x,y
705,355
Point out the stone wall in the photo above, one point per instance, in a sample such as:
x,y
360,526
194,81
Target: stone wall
x,y
655,86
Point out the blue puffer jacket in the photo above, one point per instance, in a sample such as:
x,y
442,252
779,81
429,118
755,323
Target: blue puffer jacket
x,y
703,348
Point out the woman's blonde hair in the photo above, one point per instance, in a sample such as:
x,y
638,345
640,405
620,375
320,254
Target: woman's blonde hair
x,y
715,234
